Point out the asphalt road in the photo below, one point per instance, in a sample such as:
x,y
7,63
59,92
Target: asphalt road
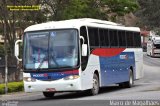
x,y
147,88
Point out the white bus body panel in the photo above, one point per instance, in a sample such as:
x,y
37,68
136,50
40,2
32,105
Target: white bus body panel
x,y
87,74
139,63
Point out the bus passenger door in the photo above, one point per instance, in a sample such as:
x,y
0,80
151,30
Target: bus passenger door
x,y
85,75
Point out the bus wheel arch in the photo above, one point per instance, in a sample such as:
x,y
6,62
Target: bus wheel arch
x,y
97,73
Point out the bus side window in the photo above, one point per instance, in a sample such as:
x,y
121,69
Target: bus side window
x,y
93,37
137,39
84,59
113,38
104,38
122,38
130,37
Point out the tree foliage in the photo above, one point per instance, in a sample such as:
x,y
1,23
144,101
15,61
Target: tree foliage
x,y
122,7
18,19
82,9
100,9
149,13
116,9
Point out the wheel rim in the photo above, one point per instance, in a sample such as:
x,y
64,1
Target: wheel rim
x,y
95,86
131,79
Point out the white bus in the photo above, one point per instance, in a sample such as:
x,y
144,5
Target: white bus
x,y
80,54
153,46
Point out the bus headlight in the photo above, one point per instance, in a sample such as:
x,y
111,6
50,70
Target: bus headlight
x,y
29,79
71,77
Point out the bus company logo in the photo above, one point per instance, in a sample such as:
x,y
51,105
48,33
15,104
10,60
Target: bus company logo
x,y
124,57
40,75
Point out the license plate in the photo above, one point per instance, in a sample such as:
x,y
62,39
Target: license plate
x,y
157,51
50,89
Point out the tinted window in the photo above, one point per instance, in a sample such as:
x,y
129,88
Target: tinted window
x,y
122,38
103,34
113,38
93,36
102,37
137,39
106,37
129,36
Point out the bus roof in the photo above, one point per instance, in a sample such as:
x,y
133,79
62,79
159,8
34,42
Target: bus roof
x,y
77,23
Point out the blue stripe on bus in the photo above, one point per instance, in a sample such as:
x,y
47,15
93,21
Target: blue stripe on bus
x,y
53,75
116,69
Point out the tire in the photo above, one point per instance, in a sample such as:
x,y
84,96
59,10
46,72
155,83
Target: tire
x,y
130,83
95,88
48,94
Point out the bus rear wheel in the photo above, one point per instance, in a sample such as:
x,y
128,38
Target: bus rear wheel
x,y
95,88
48,94
130,83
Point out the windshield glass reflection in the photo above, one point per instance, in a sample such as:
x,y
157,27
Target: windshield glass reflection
x,y
52,49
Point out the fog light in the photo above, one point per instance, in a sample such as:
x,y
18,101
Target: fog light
x,y
29,86
71,84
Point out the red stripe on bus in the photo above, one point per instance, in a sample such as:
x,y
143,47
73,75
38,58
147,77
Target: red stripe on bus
x,y
70,72
107,52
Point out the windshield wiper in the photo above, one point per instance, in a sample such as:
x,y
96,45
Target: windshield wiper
x,y
54,60
41,63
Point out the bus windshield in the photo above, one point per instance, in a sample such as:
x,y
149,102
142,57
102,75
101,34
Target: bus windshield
x,y
50,49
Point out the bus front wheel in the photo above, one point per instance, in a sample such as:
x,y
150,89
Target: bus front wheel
x,y
95,88
48,94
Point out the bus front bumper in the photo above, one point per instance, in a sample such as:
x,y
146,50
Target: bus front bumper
x,y
53,86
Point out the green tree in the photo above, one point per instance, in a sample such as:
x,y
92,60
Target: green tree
x,y
100,9
82,9
118,8
149,13
18,19
53,8
121,7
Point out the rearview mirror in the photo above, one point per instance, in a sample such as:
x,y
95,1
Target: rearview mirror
x,y
84,49
16,49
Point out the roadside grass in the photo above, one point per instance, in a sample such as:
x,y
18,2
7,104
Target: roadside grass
x,y
12,87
